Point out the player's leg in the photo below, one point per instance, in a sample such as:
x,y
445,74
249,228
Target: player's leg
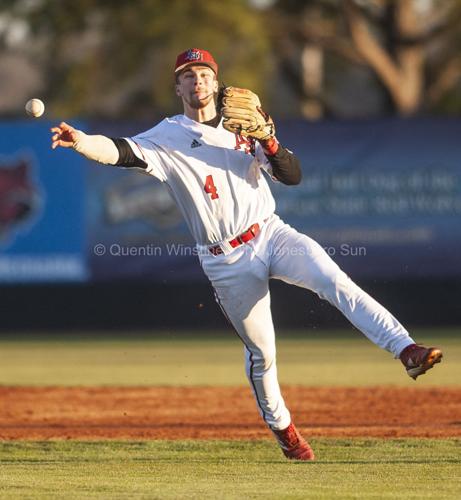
x,y
242,291
240,282
299,260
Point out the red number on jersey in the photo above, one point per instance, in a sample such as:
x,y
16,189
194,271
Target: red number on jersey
x,y
210,188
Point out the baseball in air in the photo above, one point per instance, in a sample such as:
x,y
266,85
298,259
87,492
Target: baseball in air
x,y
35,108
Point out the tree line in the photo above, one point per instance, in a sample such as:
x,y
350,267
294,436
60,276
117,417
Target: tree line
x,y
328,58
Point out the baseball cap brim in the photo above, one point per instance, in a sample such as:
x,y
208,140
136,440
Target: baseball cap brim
x,y
184,66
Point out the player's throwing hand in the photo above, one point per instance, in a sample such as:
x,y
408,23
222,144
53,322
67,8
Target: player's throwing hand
x,y
64,135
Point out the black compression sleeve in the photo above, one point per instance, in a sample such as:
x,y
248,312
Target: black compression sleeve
x,y
126,157
285,167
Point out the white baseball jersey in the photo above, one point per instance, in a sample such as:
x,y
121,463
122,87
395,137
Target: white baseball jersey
x,y
213,175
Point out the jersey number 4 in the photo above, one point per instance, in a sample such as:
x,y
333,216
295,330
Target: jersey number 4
x,y
210,188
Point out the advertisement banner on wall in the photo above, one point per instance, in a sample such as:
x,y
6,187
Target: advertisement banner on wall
x,y
135,231
42,201
382,197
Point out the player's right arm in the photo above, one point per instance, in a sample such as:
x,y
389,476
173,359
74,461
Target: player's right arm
x,y
95,147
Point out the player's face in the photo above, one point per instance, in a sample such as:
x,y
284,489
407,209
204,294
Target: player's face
x,y
197,86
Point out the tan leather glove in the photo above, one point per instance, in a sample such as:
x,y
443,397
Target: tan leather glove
x,y
243,114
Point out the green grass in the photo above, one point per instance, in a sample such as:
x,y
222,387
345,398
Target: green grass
x,y
322,358
359,468
346,468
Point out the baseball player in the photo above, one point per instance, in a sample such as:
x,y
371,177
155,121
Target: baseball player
x,y
216,161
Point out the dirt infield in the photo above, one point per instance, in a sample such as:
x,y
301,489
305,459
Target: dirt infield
x,y
223,413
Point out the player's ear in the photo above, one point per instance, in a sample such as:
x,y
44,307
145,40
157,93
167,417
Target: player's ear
x,y
177,86
215,85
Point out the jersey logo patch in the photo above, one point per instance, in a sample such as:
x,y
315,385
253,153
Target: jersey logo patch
x,y
245,144
195,144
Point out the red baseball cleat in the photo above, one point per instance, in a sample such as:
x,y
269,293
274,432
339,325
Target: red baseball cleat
x,y
418,359
293,445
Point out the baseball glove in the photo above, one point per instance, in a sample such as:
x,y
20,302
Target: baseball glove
x,y
242,113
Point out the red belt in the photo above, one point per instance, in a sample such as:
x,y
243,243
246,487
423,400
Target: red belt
x,y
245,237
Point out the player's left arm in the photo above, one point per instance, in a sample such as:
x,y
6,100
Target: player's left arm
x,y
243,114
285,165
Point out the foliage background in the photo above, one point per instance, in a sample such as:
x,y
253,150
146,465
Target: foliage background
x,y
311,58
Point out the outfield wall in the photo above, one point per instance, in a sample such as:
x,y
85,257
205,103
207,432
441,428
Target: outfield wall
x,y
131,307
382,197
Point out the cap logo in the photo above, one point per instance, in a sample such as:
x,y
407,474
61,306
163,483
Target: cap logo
x,y
193,55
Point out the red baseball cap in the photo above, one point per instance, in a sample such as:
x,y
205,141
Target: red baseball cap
x,y
197,57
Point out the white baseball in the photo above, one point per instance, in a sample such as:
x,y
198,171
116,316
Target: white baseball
x,y
35,108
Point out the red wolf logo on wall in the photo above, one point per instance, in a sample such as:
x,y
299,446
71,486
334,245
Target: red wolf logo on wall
x,y
18,196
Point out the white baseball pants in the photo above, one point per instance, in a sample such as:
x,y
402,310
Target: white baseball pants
x,y
241,283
